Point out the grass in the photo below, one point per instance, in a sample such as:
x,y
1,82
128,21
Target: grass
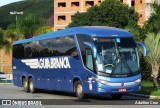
x,y
148,89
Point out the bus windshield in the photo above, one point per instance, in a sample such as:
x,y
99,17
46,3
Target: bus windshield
x,y
116,56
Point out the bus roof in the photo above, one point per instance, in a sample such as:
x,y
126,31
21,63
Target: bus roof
x,y
96,31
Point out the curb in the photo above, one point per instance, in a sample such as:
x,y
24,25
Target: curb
x,y
144,96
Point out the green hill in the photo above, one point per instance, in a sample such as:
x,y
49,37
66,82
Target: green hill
x,y
42,8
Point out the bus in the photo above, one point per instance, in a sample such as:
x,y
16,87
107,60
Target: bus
x,y
87,60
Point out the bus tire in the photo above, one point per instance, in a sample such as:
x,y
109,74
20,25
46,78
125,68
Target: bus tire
x,y
79,90
31,86
25,85
116,96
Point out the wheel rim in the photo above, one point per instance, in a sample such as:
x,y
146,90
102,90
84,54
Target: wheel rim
x,y
25,84
31,86
79,90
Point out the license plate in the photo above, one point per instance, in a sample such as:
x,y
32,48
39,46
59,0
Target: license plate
x,y
122,90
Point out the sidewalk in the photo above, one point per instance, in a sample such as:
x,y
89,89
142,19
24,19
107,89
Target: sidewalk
x,y
144,96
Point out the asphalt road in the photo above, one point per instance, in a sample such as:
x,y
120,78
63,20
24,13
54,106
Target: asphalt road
x,y
67,100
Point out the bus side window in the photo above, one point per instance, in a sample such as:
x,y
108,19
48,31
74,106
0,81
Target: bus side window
x,y
70,47
89,60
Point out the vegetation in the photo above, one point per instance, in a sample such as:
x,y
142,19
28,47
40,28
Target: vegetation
x,y
44,29
108,13
136,30
40,8
4,43
29,25
13,33
148,89
24,28
153,44
152,32
153,24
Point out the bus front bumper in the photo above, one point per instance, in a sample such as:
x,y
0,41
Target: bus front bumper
x,y
111,89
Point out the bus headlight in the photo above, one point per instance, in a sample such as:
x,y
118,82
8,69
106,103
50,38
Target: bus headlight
x,y
102,81
137,81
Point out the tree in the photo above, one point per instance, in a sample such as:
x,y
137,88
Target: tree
x,y
153,23
13,33
29,25
138,32
153,44
4,43
108,13
43,30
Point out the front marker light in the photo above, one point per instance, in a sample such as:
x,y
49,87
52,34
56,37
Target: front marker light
x,y
137,81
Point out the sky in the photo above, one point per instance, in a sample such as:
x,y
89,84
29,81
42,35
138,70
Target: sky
x,y
4,2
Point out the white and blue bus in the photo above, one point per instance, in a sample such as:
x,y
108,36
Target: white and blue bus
x,y
85,60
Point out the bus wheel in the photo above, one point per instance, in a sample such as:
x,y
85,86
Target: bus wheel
x,y
25,85
116,96
79,90
31,86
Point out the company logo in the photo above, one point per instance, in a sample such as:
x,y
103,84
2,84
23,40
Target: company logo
x,y
48,63
122,84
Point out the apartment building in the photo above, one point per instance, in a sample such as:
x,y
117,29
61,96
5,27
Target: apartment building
x,y
5,62
65,9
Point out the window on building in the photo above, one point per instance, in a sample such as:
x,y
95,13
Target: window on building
x,y
75,4
141,15
59,29
99,1
62,18
62,4
89,3
133,3
141,1
72,16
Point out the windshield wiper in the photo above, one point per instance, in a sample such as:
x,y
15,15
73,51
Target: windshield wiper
x,y
120,59
130,71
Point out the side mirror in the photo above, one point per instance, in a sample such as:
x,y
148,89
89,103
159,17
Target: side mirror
x,y
144,48
93,48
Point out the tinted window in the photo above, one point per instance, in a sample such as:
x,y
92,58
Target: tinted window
x,y
51,47
126,43
30,49
63,46
18,51
70,47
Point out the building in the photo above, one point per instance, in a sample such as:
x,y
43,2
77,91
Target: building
x,y
5,62
65,9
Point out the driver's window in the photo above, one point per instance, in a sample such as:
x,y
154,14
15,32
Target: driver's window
x,y
89,59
